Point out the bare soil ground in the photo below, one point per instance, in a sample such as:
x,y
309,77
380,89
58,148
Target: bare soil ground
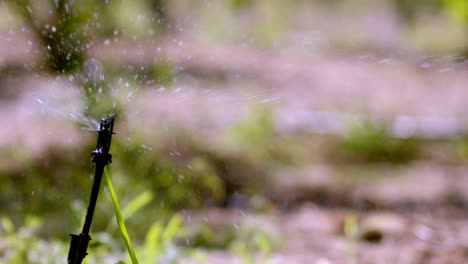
x,y
312,234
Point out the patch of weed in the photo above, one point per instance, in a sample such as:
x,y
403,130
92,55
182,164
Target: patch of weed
x,y
371,142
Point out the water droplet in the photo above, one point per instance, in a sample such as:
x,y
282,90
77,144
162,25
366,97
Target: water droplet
x,y
54,29
107,42
40,101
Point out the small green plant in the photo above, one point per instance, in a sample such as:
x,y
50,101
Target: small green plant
x,y
461,148
21,245
255,240
253,244
371,142
409,10
160,239
255,134
351,233
62,28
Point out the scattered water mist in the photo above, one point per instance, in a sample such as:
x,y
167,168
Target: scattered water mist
x,y
59,109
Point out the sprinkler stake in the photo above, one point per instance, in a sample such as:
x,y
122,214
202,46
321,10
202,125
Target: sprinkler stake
x,y
101,157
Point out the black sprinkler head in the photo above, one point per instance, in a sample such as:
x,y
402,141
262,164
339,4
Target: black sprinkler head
x,y
101,153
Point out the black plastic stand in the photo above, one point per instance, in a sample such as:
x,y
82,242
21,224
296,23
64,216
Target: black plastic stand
x,y
100,156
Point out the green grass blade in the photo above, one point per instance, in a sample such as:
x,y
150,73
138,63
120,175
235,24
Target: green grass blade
x,y
136,204
120,220
153,242
172,228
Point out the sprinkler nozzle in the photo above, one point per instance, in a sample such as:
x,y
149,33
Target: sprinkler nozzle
x,y
101,153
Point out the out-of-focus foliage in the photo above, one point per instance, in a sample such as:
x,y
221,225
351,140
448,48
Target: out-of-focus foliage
x,y
240,4
64,28
254,240
174,187
22,245
67,29
458,9
371,142
255,134
159,241
409,10
128,17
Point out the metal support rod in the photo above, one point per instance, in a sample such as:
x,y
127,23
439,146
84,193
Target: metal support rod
x,y
100,156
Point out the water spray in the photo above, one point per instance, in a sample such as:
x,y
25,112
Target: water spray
x,y
101,157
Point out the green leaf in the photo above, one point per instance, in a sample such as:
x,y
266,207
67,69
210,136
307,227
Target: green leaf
x,y
153,242
137,203
120,220
173,228
8,226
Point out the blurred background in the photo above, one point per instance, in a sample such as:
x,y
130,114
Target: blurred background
x,y
247,131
